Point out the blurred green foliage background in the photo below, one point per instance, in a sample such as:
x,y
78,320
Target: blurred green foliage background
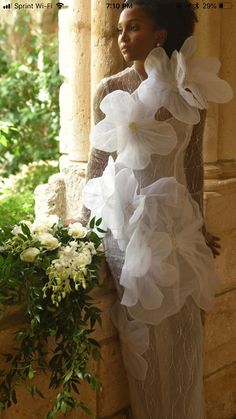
x,y
29,116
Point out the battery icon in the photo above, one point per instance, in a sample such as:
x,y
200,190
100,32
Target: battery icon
x,y
226,5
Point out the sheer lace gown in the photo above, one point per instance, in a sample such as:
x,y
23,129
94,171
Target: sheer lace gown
x,y
173,386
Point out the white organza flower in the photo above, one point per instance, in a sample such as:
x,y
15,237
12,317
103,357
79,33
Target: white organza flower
x,y
134,338
130,129
151,258
168,79
30,254
98,191
114,197
143,268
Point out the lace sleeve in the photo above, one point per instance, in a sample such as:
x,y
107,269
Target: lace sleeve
x,y
97,159
193,161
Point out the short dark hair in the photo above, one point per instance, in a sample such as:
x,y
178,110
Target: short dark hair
x,y
176,16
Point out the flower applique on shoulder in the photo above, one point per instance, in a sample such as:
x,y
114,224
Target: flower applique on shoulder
x,y
130,128
183,83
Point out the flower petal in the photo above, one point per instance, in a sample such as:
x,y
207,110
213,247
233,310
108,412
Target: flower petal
x,y
103,135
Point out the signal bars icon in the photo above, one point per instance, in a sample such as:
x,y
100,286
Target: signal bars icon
x,y
7,6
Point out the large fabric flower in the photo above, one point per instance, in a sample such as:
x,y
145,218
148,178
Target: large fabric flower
x,y
144,259
183,84
114,197
167,259
98,191
130,129
134,338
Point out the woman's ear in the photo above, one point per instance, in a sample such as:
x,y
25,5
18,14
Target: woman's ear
x,y
161,36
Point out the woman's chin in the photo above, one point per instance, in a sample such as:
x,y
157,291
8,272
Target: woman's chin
x,y
127,57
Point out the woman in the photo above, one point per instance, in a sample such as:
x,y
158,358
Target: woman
x,y
153,188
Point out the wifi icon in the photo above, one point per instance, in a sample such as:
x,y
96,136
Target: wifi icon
x,y
59,5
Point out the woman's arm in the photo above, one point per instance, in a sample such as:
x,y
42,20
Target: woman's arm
x,y
194,172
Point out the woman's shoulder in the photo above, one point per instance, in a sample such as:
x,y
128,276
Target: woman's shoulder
x,y
115,81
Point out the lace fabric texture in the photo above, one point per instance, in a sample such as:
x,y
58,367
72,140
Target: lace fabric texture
x,y
173,386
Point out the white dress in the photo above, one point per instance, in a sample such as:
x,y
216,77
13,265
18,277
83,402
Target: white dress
x,y
145,179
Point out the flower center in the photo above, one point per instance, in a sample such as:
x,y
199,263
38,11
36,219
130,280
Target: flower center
x,y
174,242
133,126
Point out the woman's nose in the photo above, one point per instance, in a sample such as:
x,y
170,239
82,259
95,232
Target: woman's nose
x,y
123,36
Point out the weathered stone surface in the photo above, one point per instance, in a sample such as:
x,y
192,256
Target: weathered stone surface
x,y
50,197
219,216
226,262
115,394
220,333
107,330
74,178
220,392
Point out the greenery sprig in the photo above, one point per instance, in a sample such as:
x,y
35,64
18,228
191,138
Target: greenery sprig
x,y
51,269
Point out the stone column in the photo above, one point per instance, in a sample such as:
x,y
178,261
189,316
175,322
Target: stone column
x,y
216,35
88,52
74,62
106,58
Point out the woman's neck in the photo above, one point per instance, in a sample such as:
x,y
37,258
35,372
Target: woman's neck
x,y
139,67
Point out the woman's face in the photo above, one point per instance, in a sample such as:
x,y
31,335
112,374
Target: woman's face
x,y
137,34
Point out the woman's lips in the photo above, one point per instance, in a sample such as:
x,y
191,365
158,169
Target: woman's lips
x,y
125,49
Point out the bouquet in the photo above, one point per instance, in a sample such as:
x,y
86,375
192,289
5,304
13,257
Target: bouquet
x,y
52,269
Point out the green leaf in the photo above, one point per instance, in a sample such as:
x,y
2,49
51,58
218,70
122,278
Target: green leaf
x,y
31,374
98,222
39,393
25,230
32,390
75,388
92,223
3,140
63,407
101,230
13,396
68,376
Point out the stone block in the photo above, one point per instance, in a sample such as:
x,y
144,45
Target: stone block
x,y
220,333
226,262
115,391
220,217
50,197
107,330
220,393
74,178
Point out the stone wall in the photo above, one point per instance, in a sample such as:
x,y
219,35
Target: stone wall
x,y
217,35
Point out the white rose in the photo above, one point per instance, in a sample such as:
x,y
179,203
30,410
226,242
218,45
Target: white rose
x,y
77,231
30,254
44,225
18,230
48,241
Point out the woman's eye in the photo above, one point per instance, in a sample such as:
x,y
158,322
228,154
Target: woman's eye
x,y
132,28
